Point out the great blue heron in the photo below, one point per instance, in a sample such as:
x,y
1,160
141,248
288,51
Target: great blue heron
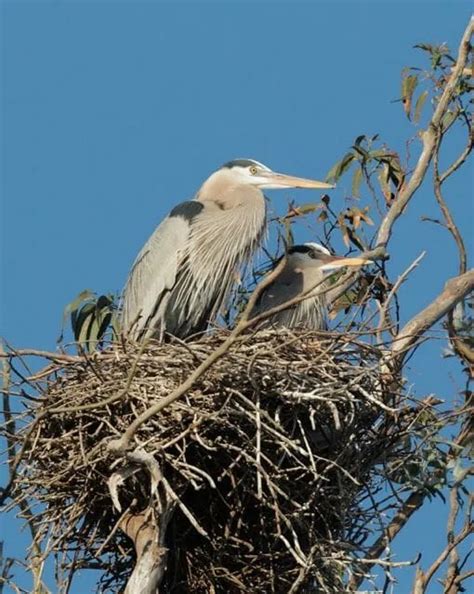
x,y
305,270
185,271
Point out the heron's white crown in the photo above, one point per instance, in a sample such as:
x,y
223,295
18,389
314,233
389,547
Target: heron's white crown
x,y
245,174
318,247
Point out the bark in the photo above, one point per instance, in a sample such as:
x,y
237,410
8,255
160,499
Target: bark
x,y
147,531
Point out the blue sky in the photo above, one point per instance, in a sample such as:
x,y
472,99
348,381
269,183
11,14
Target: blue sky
x,y
112,112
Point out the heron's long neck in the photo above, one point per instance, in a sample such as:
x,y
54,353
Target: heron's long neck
x,y
315,282
232,223
311,312
219,193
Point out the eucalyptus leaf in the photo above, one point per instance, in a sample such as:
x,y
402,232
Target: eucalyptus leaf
x,y
419,106
356,182
71,309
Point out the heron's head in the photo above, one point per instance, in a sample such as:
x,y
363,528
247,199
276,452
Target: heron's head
x,y
312,256
252,173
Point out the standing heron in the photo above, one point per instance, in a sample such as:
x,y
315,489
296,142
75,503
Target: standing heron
x,y
304,272
184,273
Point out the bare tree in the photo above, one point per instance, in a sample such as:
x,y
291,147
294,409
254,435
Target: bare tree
x,y
267,460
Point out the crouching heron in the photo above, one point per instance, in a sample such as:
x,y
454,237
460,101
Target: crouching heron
x,y
183,275
304,272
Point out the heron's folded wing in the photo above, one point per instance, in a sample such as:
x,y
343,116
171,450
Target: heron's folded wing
x,y
283,288
155,269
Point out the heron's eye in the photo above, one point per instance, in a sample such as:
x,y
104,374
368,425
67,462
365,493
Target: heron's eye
x,y
253,170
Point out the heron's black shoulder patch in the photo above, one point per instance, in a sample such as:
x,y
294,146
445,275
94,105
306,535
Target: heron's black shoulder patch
x,y
239,163
187,210
300,249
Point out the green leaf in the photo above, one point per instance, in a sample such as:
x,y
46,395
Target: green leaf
x,y
72,307
424,46
115,325
331,176
419,106
340,167
379,154
90,318
365,217
356,181
384,185
88,333
82,320
345,164
344,230
104,325
409,84
359,139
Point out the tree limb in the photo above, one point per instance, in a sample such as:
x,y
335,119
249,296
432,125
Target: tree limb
x,y
454,291
429,139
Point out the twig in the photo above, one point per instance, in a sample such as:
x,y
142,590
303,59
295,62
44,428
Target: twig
x,y
121,445
450,224
393,291
409,507
422,579
102,403
429,137
459,161
56,357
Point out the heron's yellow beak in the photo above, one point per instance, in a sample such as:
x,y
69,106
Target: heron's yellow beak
x,y
281,180
334,262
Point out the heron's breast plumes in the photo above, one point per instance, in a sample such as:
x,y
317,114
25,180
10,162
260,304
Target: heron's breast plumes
x,y
221,242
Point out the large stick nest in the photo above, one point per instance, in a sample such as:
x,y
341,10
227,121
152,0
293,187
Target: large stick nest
x,y
264,461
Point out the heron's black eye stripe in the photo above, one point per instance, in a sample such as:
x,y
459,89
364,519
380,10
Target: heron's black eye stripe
x,y
239,163
300,249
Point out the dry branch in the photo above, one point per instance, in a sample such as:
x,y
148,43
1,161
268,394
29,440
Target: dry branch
x,y
242,512
454,291
429,140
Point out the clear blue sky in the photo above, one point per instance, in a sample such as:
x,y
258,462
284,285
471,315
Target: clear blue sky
x,y
112,112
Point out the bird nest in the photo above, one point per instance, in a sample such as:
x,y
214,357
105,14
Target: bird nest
x,y
262,465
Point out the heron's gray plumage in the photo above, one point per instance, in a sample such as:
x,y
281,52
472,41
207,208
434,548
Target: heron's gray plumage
x,y
296,278
304,273
183,275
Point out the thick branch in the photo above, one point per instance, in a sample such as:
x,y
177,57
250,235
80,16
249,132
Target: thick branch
x,y
148,534
429,139
454,291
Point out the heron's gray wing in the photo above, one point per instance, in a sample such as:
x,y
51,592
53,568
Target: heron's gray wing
x,y
155,269
285,287
309,313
